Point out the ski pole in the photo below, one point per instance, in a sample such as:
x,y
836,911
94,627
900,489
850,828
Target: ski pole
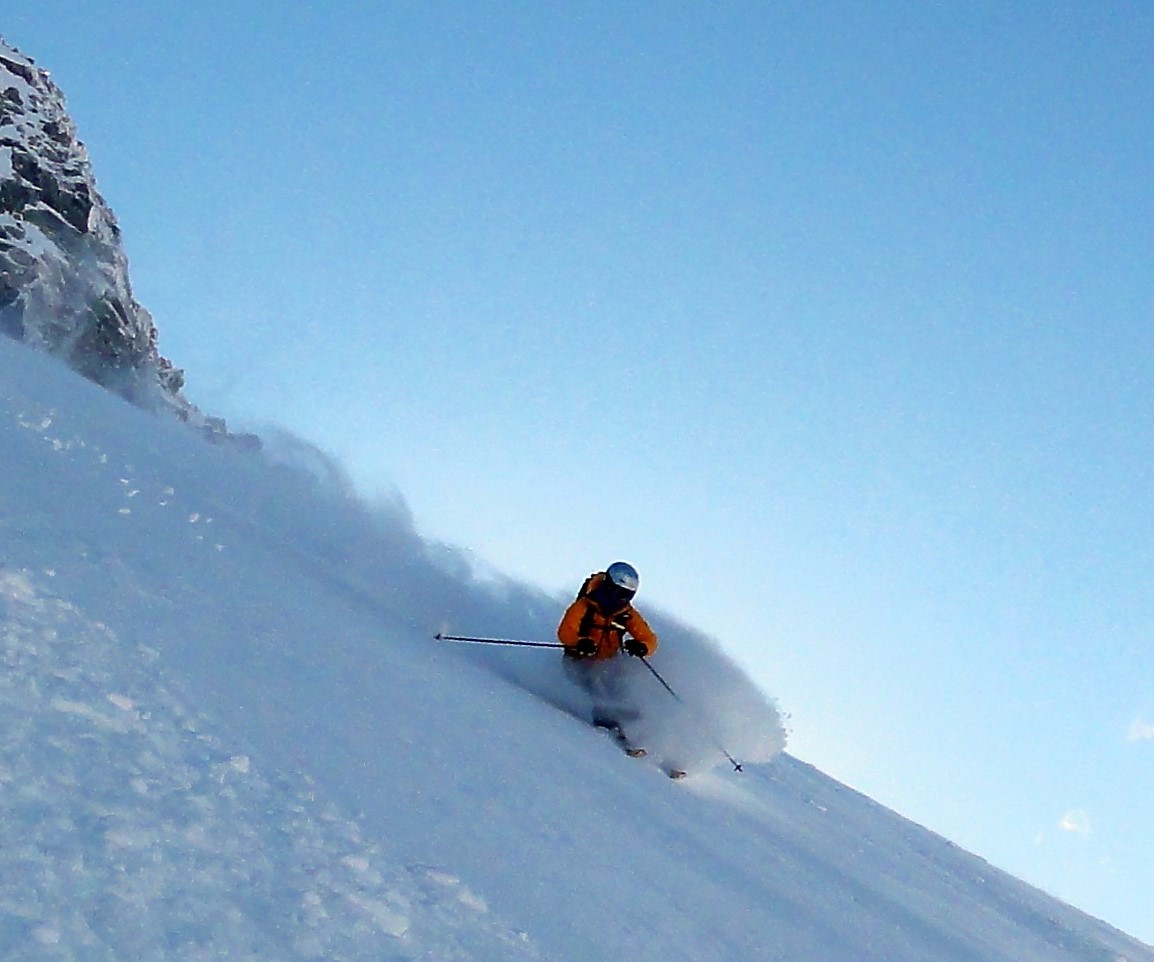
x,y
497,641
716,744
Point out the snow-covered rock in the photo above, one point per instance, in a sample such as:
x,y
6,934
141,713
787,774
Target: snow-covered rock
x,y
64,284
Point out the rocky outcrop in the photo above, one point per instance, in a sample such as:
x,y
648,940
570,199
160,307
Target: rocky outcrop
x,y
64,283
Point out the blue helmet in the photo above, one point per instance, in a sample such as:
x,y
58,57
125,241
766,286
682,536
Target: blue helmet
x,y
623,575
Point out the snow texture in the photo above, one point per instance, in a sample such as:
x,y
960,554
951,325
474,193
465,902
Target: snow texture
x,y
226,732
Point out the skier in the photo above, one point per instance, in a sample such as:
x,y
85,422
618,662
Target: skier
x,y
595,629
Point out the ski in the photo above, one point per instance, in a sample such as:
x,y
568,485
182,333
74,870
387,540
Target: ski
x,y
634,751
620,739
617,733
623,742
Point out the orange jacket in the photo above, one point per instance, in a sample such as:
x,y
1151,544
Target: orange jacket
x,y
586,619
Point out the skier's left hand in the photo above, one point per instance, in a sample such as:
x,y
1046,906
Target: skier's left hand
x,y
638,649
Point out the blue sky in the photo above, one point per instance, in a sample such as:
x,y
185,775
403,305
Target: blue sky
x,y
834,319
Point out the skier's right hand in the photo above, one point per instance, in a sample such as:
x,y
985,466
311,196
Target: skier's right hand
x,y
585,648
636,647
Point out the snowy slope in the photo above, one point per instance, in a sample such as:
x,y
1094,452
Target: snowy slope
x,y
225,731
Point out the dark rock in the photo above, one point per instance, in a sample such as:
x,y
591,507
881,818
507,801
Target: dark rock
x,y
64,285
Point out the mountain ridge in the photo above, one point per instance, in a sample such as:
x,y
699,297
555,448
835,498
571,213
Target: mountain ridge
x,y
64,279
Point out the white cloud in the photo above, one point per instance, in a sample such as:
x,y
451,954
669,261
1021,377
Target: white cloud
x,y
1075,821
1140,730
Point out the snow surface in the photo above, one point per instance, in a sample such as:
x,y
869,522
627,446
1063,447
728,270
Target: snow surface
x,y
226,732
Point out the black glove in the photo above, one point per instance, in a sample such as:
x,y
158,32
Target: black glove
x,y
638,649
585,648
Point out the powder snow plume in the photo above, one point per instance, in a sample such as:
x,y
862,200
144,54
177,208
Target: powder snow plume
x,y
710,709
715,708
